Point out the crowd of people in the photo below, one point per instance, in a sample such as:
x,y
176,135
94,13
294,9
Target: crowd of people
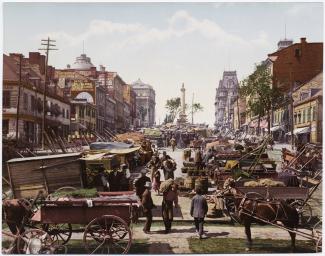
x,y
146,184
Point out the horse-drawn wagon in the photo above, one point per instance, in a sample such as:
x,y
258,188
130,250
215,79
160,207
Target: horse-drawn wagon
x,y
105,220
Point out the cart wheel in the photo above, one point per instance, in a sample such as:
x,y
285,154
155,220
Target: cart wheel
x,y
34,241
318,247
231,209
107,234
60,233
304,210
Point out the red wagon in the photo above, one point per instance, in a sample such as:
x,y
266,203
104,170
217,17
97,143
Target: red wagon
x,y
105,220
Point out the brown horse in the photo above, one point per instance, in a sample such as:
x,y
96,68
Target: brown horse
x,y
253,208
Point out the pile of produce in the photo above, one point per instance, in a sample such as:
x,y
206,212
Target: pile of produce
x,y
78,193
135,137
264,183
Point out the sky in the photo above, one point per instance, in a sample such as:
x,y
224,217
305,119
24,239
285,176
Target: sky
x,y
163,44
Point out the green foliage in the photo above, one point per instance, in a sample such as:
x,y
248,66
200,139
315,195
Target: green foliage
x,y
262,95
173,105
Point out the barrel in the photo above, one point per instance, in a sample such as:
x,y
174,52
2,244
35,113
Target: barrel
x,y
184,169
203,184
189,183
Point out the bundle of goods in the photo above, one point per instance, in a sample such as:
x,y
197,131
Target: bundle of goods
x,y
165,185
133,136
264,183
189,164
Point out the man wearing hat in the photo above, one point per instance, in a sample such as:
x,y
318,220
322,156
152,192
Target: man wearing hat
x,y
125,178
147,204
140,183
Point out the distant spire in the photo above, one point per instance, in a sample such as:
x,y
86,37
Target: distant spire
x,y
83,47
285,31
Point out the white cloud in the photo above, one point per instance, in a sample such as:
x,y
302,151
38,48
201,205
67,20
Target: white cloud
x,y
179,24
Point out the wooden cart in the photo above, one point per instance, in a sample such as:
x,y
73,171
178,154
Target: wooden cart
x,y
106,220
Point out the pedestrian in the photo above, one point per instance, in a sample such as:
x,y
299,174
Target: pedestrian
x,y
173,143
140,183
199,208
125,179
169,197
114,179
156,181
147,205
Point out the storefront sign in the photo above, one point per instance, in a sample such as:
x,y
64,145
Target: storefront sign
x,y
82,86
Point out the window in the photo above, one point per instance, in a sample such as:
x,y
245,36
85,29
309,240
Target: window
x,y
6,99
303,116
314,114
25,99
63,112
295,117
68,115
299,117
309,115
32,103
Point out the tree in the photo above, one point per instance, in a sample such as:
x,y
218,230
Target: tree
x,y
196,107
174,107
262,95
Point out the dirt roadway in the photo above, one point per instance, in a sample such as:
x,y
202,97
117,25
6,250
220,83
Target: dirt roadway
x,y
177,240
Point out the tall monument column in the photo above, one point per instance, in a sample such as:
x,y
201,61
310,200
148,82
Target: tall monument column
x,y
182,115
183,99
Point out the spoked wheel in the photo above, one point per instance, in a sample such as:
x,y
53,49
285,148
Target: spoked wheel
x,y
34,241
231,209
107,234
60,233
317,235
304,210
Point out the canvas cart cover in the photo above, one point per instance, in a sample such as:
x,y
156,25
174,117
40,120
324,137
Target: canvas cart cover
x,y
109,145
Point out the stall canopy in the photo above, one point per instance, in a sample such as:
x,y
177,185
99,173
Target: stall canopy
x,y
276,128
110,145
300,130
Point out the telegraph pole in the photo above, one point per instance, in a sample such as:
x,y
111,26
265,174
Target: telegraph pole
x,y
18,98
48,43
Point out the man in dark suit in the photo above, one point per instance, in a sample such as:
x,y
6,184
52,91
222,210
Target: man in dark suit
x,y
140,183
147,205
199,208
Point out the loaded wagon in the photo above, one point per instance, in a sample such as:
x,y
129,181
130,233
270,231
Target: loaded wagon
x,y
104,220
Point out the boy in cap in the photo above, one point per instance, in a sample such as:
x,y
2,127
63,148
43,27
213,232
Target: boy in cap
x,y
147,204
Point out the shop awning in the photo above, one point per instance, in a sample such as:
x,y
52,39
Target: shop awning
x,y
276,128
300,130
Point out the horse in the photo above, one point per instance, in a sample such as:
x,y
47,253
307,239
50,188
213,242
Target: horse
x,y
253,208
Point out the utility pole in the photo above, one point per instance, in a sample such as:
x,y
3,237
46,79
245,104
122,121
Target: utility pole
x,y
18,99
46,42
238,114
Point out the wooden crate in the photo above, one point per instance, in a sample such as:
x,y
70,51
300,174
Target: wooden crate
x,y
48,173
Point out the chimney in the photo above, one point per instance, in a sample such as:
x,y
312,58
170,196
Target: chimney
x,y
101,68
303,40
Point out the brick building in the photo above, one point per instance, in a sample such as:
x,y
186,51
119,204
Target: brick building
x,y
57,118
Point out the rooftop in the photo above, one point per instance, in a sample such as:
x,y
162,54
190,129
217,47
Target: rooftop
x,y
82,63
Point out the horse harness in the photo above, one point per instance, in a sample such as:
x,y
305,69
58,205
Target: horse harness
x,y
274,205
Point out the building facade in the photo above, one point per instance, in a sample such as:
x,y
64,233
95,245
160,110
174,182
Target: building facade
x,y
226,95
308,106
31,81
145,103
